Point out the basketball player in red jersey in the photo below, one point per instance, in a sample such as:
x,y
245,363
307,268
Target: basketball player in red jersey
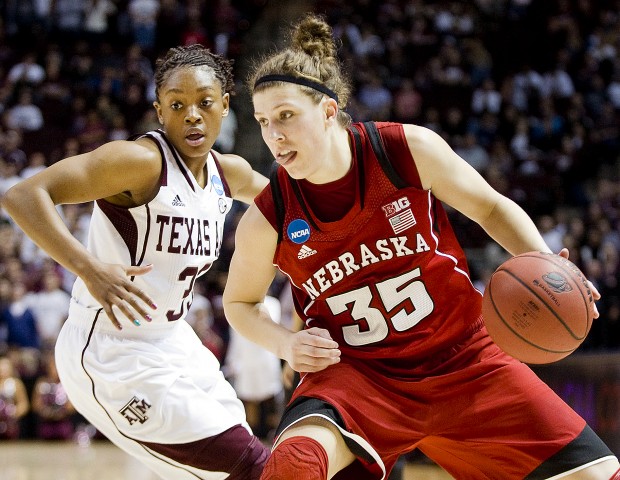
x,y
394,355
127,358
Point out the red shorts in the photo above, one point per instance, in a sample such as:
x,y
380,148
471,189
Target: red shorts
x,y
480,415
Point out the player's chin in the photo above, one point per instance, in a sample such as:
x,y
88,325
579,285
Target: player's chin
x,y
197,151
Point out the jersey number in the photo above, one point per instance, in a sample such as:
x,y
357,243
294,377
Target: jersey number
x,y
391,292
189,274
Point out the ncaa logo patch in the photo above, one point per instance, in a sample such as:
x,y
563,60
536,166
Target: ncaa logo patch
x,y
217,185
298,231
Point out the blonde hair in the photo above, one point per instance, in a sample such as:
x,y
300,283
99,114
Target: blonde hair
x,y
311,55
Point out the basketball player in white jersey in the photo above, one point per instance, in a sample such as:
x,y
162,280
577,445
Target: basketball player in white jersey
x,y
128,360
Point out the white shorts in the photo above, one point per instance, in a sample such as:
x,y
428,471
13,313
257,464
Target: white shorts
x,y
154,385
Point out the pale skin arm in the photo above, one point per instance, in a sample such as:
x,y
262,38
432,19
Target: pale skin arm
x,y
250,275
453,181
83,178
288,374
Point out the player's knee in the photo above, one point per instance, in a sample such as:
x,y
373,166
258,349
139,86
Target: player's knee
x,y
297,458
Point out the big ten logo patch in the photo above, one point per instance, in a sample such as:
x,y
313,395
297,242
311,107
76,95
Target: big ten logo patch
x,y
396,206
399,214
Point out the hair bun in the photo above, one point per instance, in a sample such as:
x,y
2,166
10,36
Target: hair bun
x,y
313,35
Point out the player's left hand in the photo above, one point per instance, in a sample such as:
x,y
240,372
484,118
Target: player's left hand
x,y
595,293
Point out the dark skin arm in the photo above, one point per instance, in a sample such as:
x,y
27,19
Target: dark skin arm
x,y
84,178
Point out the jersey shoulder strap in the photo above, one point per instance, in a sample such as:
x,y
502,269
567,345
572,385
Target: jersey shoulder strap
x,y
379,149
278,201
384,160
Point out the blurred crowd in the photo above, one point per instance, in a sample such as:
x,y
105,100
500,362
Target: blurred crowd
x,y
527,91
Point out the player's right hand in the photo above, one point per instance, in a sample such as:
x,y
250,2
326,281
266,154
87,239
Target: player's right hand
x,y
312,350
111,285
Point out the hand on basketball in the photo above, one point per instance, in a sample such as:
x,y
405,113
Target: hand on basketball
x,y
112,287
595,293
312,350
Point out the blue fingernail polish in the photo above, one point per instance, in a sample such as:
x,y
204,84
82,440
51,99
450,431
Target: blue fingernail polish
x,y
136,322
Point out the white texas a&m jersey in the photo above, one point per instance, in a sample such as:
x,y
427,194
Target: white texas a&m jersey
x,y
179,232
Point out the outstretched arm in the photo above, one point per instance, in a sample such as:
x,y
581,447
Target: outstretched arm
x,y
453,181
83,178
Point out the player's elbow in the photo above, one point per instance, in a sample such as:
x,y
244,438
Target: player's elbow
x,y
231,306
12,199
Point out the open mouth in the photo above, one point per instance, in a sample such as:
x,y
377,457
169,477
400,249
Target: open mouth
x,y
195,139
286,156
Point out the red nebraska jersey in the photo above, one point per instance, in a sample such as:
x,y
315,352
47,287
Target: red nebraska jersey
x,y
389,280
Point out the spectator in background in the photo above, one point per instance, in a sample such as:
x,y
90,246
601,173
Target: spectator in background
x,y
171,20
26,72
93,132
36,163
226,140
10,240
137,67
486,98
195,32
369,44
133,105
408,102
14,402
467,147
256,375
227,18
118,129
375,98
25,115
143,18
53,411
49,305
97,19
9,175
200,316
68,20
19,319
551,231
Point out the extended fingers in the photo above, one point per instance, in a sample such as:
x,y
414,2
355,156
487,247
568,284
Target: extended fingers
x,y
136,294
319,337
130,302
132,271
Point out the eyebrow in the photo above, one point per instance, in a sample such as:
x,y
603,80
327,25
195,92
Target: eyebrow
x,y
275,107
178,90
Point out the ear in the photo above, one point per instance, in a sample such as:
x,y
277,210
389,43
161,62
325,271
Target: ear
x,y
226,104
157,107
331,110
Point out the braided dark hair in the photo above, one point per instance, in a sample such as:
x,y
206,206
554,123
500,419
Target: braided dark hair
x,y
193,56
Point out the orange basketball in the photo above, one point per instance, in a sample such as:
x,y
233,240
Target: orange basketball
x,y
537,307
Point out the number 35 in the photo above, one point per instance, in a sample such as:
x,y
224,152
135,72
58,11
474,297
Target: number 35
x,y
391,292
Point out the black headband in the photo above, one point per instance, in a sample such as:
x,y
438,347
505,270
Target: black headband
x,y
299,81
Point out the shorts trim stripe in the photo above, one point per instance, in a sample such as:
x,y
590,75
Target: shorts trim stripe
x,y
593,462
146,449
